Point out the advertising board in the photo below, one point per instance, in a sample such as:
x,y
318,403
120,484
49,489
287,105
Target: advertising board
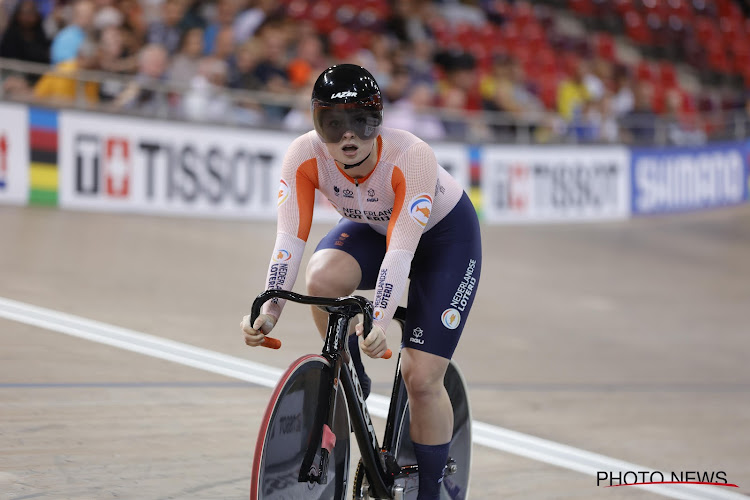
x,y
14,154
555,183
683,179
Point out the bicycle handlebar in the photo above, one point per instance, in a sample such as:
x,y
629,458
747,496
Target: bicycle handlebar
x,y
362,304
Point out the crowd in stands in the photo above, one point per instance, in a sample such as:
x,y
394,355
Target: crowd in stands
x,y
463,58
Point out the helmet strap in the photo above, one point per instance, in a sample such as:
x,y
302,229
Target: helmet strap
x,y
347,167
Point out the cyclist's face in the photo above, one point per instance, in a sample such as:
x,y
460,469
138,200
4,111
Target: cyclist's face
x,y
350,149
332,124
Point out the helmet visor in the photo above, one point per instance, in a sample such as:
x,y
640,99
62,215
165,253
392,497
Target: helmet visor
x,y
332,121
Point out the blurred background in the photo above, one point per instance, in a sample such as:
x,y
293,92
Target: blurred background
x,y
625,336
592,71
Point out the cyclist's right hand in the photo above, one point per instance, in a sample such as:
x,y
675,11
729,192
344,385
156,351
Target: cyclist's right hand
x,y
255,334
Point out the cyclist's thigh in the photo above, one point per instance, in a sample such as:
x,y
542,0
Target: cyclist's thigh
x,y
366,245
444,279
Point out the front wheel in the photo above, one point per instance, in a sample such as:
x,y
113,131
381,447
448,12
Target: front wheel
x,y
456,481
285,435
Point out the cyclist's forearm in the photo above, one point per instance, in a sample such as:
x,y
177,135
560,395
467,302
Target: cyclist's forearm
x,y
283,269
390,285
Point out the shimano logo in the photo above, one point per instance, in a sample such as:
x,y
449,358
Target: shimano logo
x,y
346,93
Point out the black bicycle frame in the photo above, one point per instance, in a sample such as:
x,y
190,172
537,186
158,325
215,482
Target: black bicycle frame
x,y
379,462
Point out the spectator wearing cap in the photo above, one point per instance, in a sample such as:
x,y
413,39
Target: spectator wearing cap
x,y
69,39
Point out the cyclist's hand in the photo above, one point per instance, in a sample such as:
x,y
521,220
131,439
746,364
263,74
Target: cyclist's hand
x,y
255,333
374,344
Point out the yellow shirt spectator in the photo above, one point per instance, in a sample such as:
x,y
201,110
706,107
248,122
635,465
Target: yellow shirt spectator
x,y
61,84
571,94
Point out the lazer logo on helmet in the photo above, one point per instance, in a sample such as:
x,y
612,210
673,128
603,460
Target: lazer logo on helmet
x,y
347,93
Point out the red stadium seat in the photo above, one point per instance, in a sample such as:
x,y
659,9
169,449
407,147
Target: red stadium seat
x,y
604,45
667,75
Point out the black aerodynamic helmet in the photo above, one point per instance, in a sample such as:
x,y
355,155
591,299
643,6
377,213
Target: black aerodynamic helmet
x,y
346,97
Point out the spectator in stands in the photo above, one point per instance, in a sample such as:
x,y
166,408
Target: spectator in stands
x,y
226,10
62,84
184,65
413,113
207,99
66,42
505,90
223,47
572,92
271,69
623,99
682,129
135,26
249,21
421,66
309,62
639,126
247,57
114,58
138,95
166,31
25,39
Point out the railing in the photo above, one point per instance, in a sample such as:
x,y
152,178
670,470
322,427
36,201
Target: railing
x,y
266,109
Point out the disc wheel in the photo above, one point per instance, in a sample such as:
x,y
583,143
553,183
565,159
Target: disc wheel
x,y
286,433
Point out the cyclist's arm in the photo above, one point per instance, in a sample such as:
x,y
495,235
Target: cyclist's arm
x,y
296,196
413,181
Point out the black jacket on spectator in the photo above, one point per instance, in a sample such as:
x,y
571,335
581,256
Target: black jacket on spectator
x,y
27,43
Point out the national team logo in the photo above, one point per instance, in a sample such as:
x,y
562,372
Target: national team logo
x,y
117,167
420,208
451,318
282,256
348,193
283,193
3,161
379,313
336,190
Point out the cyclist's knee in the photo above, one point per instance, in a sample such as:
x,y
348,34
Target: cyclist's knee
x,y
332,273
423,374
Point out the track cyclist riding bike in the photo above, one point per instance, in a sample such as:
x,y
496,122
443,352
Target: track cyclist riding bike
x,y
403,216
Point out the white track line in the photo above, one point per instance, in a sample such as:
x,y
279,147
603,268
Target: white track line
x,y
488,435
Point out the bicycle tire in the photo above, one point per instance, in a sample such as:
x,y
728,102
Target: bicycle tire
x,y
456,485
286,430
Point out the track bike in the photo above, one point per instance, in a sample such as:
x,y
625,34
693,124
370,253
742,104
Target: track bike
x,y
303,446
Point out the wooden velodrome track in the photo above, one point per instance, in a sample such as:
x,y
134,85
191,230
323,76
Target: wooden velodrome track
x,y
630,340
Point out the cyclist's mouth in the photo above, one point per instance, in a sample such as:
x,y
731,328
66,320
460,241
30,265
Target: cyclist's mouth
x,y
350,150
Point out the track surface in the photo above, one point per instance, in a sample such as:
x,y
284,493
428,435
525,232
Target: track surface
x,y
628,339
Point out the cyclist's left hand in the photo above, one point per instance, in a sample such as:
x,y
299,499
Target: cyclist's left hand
x,y
374,344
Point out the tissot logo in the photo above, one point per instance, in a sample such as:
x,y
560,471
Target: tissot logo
x,y
169,172
114,166
346,93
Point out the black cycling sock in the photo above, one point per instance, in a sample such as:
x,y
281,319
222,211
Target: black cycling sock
x,y
364,379
431,460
